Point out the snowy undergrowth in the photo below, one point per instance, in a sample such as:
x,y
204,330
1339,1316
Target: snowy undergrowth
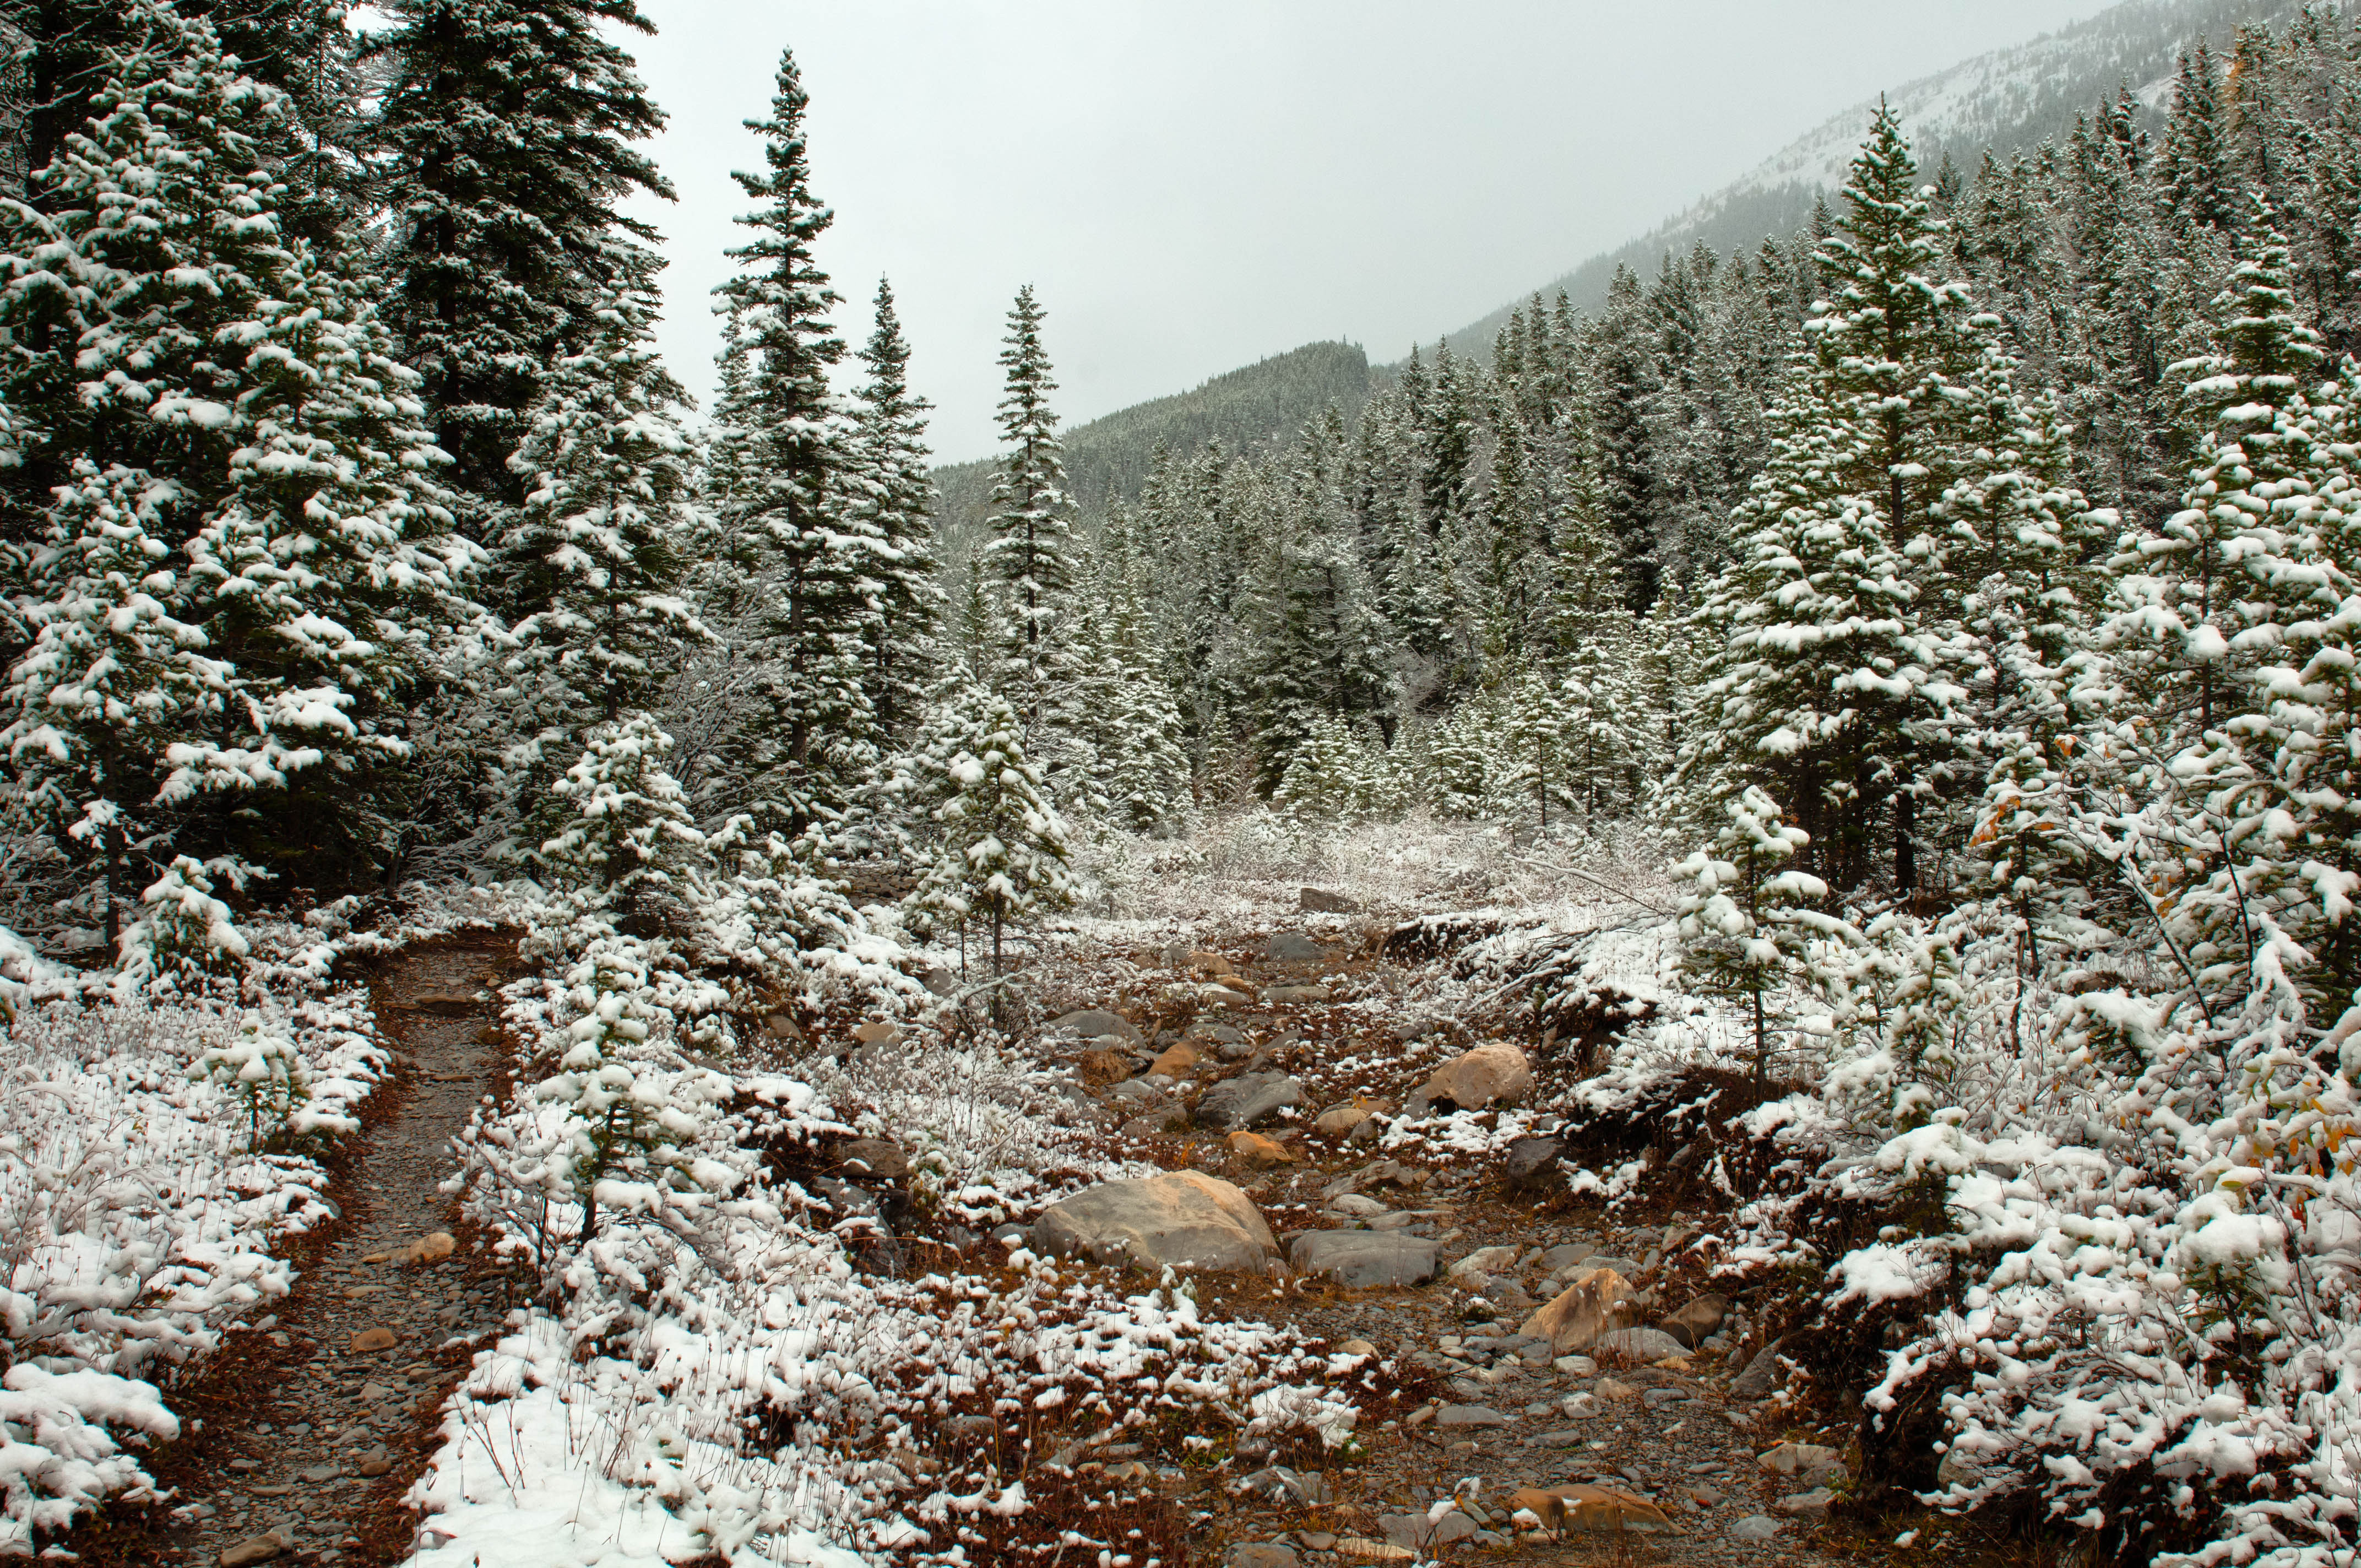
x,y
714,1371
138,1223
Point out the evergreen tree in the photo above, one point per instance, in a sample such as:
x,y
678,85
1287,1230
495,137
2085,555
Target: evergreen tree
x,y
1030,553
899,503
999,848
814,550
510,129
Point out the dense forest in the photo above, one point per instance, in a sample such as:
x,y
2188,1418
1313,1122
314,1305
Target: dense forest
x,y
1961,598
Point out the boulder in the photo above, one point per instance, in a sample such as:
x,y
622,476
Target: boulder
x,y
1531,1162
1254,1149
1491,1074
1092,1022
1576,1506
1639,1345
1294,947
1761,1377
1697,1322
1364,1258
1184,1219
1355,1204
1811,1505
1295,994
1599,1301
1175,1061
1484,1261
875,1157
1261,1554
1318,901
1241,1102
1339,1119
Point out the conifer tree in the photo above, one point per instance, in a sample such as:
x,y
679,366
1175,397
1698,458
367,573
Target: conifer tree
x,y
1030,553
595,556
999,848
898,500
815,550
510,129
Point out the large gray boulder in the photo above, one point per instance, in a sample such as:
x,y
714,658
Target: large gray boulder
x,y
1092,1022
1364,1258
1183,1218
1243,1101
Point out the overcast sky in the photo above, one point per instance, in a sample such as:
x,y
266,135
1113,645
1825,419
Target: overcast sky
x,y
1192,184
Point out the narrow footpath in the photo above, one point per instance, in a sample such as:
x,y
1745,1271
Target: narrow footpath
x,y
313,1428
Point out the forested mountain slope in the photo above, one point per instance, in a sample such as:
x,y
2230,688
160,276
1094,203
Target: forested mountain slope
x,y
2004,100
1110,457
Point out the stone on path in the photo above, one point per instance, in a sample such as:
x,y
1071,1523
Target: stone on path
x,y
1639,1344
1495,1073
1597,1302
1183,1218
1319,901
1697,1322
376,1462
1364,1258
368,1339
431,1247
1470,1416
1261,1554
1092,1023
1811,1505
260,1549
1577,1506
1241,1102
1755,1526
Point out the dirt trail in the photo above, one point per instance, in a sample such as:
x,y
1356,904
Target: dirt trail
x,y
304,1439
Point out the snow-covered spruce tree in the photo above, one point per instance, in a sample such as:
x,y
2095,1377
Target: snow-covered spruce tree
x,y
1029,557
507,130
1529,765
113,677
1328,777
794,506
595,556
1747,921
174,336
618,835
999,848
897,497
1129,723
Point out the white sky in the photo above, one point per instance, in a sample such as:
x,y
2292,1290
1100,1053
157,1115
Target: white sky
x,y
1193,184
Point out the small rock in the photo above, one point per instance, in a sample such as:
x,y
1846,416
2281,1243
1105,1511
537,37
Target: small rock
x,y
1318,901
1355,1204
1364,1258
376,1339
1577,1365
1495,1073
1639,1344
1357,1347
1293,947
783,1027
875,1156
1531,1162
877,1032
1316,1539
1762,1374
449,1003
1565,1254
1254,1149
1360,1549
1175,1062
1470,1416
1811,1505
1613,1389
317,1474
1484,1261
260,1549
1338,1120
1599,1301
1808,1462
1417,1531
1183,1219
376,1462
1697,1322
1241,1102
1408,1029
1754,1526
1090,1023
1221,1034
1261,1554
1300,993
